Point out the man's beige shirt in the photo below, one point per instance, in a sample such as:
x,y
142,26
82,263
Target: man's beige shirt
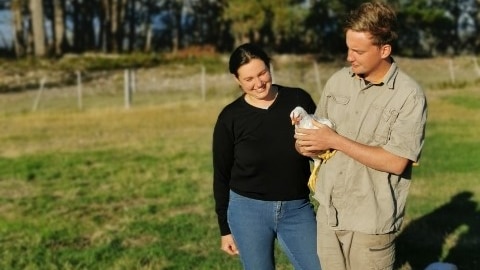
x,y
390,114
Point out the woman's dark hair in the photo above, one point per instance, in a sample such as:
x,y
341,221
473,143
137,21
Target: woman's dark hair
x,y
243,54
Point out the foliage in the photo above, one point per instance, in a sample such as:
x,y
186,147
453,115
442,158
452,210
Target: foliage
x,y
286,26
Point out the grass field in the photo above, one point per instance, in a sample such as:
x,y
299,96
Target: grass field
x,y
113,188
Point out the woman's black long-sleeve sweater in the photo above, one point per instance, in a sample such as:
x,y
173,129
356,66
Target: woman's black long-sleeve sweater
x,y
254,153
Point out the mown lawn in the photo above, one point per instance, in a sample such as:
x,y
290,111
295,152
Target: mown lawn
x,y
116,188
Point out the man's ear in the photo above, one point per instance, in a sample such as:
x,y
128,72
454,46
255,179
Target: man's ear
x,y
386,50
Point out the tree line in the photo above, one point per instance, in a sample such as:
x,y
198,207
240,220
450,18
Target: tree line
x,y
51,28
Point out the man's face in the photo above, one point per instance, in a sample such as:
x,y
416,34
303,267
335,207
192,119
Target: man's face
x,y
365,57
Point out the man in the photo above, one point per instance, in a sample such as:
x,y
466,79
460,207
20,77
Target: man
x,y
380,115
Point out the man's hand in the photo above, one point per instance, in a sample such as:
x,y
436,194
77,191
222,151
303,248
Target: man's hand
x,y
313,142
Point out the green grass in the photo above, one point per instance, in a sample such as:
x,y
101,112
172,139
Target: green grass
x,y
111,188
443,212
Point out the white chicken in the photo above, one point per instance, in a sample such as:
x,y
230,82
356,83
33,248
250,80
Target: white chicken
x,y
301,119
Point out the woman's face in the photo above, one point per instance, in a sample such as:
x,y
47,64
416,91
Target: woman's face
x,y
254,78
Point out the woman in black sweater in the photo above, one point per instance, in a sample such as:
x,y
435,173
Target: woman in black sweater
x,y
260,180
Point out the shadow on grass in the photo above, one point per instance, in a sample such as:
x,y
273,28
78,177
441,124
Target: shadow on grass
x,y
422,242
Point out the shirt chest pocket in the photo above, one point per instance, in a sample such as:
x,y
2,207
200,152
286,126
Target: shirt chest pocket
x,y
380,130
337,108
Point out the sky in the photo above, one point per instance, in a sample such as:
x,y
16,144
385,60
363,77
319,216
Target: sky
x,y
6,34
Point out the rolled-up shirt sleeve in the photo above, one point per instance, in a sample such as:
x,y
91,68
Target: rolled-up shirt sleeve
x,y
408,131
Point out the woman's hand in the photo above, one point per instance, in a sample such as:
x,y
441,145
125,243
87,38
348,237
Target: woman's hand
x,y
228,245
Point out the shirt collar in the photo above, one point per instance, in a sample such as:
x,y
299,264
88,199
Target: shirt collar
x,y
388,79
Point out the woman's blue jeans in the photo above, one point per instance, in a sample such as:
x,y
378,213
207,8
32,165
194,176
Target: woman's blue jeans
x,y
255,224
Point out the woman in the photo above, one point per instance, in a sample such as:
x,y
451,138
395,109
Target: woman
x,y
260,180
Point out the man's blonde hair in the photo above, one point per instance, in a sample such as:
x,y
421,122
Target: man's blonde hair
x,y
376,18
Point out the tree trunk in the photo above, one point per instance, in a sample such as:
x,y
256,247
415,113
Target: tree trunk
x,y
105,22
477,21
175,30
78,42
59,27
122,9
147,30
148,38
88,11
19,38
131,23
36,10
118,17
114,24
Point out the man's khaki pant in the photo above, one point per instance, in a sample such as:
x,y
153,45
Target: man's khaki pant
x,y
348,250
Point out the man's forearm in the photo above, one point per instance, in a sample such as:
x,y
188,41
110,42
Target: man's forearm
x,y
374,157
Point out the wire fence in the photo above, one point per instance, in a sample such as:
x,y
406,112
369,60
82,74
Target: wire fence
x,y
139,87
118,88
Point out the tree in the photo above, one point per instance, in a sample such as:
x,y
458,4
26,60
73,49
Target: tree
x,y
131,20
297,26
105,22
477,20
425,26
288,25
216,30
59,27
19,37
38,27
246,18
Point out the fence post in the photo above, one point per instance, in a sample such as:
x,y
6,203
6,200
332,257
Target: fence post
x,y
39,93
79,90
452,72
317,77
477,69
127,88
202,83
272,73
133,80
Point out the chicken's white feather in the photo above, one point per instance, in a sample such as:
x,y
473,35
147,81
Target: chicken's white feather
x,y
302,119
